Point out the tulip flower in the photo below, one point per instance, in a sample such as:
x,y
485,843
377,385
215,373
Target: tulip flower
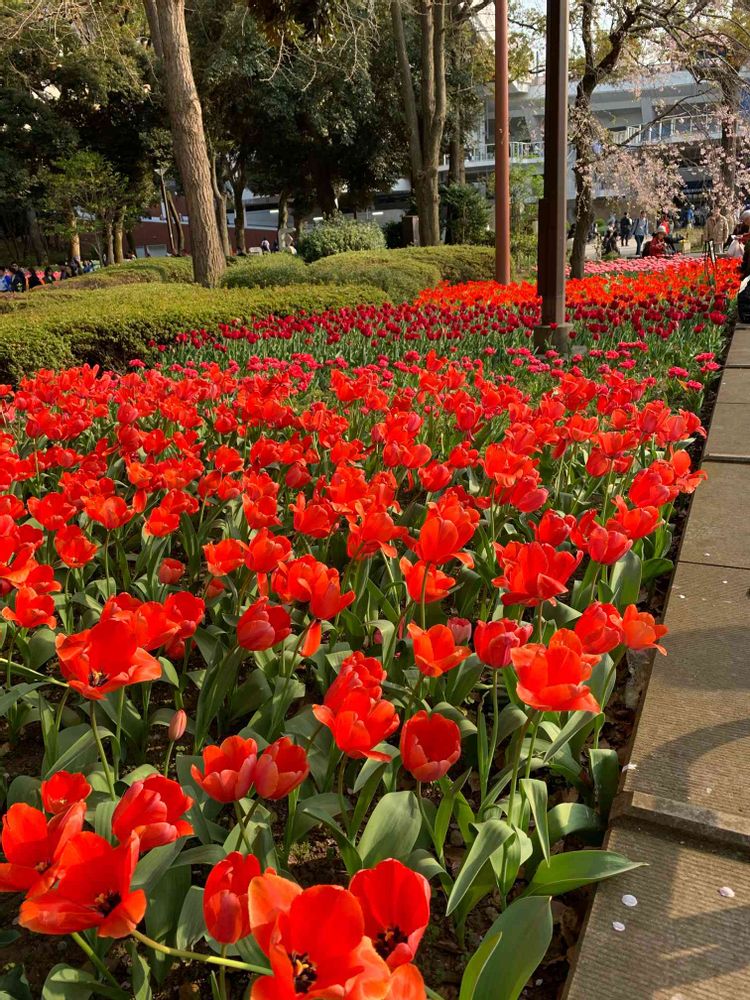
x,y
74,547
430,745
551,678
599,628
435,649
315,942
103,659
225,897
32,845
152,809
171,571
92,891
63,790
31,610
395,903
536,573
280,769
425,582
641,631
110,511
52,511
493,641
356,671
228,769
263,625
358,724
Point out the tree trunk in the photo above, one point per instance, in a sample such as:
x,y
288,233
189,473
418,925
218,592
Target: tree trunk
x,y
283,222
188,136
130,240
239,211
35,234
74,240
730,104
457,161
584,213
178,233
425,136
167,214
117,234
109,248
220,202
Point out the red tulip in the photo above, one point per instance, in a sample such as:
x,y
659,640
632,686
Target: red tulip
x,y
435,650
104,658
32,845
356,671
315,942
110,511
31,610
358,724
225,897
430,745
74,547
92,890
177,725
599,628
493,641
436,587
550,678
228,769
63,790
280,769
263,625
535,573
641,630
152,809
395,904
171,571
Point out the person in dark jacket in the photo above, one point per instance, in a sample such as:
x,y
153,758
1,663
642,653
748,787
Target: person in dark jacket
x,y
626,226
34,280
49,276
18,282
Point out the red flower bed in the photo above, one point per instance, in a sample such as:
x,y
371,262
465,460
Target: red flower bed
x,y
300,641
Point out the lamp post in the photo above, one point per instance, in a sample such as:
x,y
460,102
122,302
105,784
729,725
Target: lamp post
x,y
502,146
552,223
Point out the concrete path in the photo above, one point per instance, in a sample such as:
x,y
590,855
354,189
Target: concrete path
x,y
684,807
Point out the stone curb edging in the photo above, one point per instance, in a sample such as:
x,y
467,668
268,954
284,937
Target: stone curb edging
x,y
684,803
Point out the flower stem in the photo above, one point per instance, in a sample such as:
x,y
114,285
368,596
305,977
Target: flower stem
x,y
223,975
342,799
243,819
94,958
534,731
196,956
102,754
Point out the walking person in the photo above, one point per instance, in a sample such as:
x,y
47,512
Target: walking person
x,y
640,230
626,225
716,228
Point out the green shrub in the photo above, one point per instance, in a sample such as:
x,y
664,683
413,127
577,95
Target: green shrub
x,y
338,234
394,234
402,279
456,264
468,214
263,272
131,272
110,326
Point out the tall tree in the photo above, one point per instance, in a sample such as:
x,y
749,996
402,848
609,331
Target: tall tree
x,y
170,40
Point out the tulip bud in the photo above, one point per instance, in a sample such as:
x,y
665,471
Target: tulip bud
x,y
460,628
177,725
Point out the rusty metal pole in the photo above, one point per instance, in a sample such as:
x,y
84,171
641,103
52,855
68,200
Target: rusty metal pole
x,y
502,146
552,207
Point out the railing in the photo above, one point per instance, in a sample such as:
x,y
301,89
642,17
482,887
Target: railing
x,y
674,128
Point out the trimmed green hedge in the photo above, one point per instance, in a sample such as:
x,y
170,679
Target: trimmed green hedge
x,y
113,325
266,271
456,264
338,234
402,280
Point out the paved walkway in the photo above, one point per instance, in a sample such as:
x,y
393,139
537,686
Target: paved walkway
x,y
685,802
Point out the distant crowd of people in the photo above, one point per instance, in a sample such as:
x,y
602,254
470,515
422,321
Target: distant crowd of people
x,y
728,236
21,279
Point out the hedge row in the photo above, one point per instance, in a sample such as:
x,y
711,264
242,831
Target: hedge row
x,y
402,274
113,325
